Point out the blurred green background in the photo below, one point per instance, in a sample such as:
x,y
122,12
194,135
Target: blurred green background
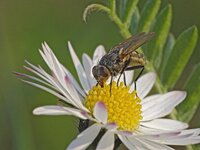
x,y
24,25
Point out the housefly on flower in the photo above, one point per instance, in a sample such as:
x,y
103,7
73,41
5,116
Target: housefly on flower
x,y
121,58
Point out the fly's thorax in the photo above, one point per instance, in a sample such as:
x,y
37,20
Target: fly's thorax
x,y
111,61
137,59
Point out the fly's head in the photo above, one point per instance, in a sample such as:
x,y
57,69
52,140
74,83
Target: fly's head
x,y
101,74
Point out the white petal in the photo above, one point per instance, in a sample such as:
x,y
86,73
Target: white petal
x,y
186,141
75,83
153,145
127,143
36,71
48,90
46,55
186,137
110,126
106,142
194,132
146,131
59,110
100,112
137,143
116,79
165,124
148,102
132,87
72,91
33,78
163,105
160,136
54,64
85,138
150,98
79,69
124,133
98,54
62,89
129,76
60,76
87,64
145,84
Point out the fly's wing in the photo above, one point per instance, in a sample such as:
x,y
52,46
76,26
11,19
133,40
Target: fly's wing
x,y
131,44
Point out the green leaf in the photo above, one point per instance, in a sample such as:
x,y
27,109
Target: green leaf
x,y
148,15
196,147
121,7
166,53
187,108
131,7
135,21
179,57
161,28
154,49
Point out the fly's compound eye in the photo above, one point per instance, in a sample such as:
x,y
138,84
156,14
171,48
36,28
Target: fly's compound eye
x,y
95,72
103,71
100,72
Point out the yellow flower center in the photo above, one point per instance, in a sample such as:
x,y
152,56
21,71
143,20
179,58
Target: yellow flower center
x,y
123,108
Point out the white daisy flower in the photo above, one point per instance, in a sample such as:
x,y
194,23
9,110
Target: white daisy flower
x,y
135,119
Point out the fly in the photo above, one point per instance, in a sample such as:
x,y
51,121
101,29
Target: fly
x,y
121,58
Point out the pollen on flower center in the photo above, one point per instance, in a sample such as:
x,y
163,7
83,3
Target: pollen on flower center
x,y
124,108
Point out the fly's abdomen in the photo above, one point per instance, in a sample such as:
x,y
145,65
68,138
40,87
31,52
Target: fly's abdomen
x,y
137,59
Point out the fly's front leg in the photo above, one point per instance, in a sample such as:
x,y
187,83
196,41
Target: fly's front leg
x,y
111,80
134,68
124,78
120,77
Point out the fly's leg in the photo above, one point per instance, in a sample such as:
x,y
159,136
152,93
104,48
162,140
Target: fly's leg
x,y
124,78
134,68
120,77
122,72
111,85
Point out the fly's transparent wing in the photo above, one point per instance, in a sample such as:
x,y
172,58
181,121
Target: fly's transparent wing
x,y
131,44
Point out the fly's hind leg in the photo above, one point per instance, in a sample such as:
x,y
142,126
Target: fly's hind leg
x,y
134,68
122,72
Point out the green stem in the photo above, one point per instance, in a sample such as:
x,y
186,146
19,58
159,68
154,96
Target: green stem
x,y
189,147
123,30
113,6
130,12
113,16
